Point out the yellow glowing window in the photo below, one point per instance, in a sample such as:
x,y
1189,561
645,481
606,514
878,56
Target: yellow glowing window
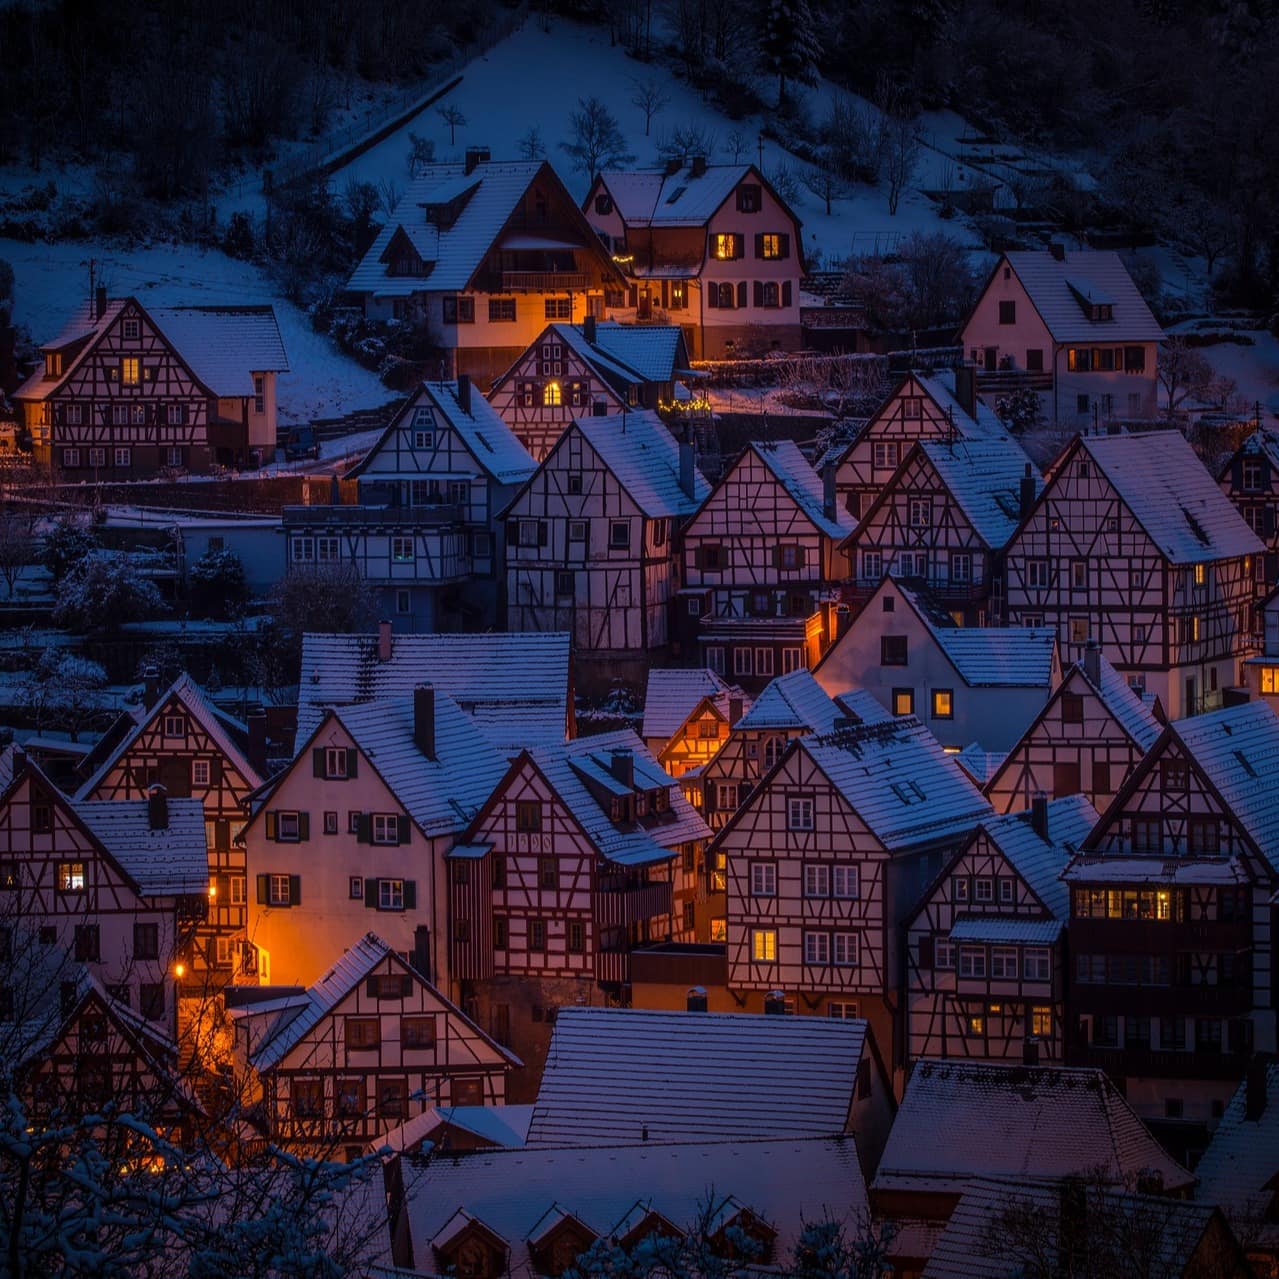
x,y
551,395
764,945
1199,574
719,930
1194,629
770,246
975,1025
1041,1021
943,703
1270,679
903,701
727,245
130,370
1163,905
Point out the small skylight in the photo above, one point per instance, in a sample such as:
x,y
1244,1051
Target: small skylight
x,y
675,195
1247,767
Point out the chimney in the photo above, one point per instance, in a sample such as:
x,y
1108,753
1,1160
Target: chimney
x,y
775,1003
687,467
464,393
256,753
674,165
150,686
1092,663
734,710
588,329
1030,1051
828,491
696,999
966,389
99,302
157,808
698,167
19,760
1027,492
621,765
384,640
1039,815
475,156
422,950
843,620
1058,251
1254,1084
424,719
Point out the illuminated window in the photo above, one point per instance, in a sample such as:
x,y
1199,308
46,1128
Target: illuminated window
x,y
719,930
1200,574
1270,679
726,245
71,877
551,396
130,370
390,894
770,245
975,1025
764,945
903,701
943,703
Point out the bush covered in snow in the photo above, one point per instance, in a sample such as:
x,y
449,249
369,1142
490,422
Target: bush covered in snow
x,y
217,585
102,591
65,545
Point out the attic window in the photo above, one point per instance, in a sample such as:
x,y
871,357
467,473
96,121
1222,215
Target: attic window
x,y
53,363
675,195
1103,311
1247,767
749,197
908,792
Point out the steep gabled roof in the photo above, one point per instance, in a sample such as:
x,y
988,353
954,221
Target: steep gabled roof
x,y
173,861
488,439
225,730
796,701
960,1120
899,781
1161,480
792,471
643,457
1130,709
655,351
984,477
614,1074
655,198
672,695
1059,288
496,1125
515,685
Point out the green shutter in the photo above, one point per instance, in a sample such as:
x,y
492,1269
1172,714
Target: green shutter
x,y
406,984
264,889
370,894
304,826
410,894
270,825
363,829
404,833
295,890
317,761
352,762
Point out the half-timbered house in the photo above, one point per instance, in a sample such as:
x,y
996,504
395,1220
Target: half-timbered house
x,y
1250,479
1259,673
518,688
1133,544
985,959
825,859
1070,326
183,742
353,836
1011,1123
481,255
597,368
710,247
127,391
1171,928
115,886
944,519
1092,733
581,852
590,539
759,560
937,406
688,714
425,532
367,1047
968,683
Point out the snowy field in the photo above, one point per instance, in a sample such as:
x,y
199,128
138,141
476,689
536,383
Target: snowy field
x,y
51,279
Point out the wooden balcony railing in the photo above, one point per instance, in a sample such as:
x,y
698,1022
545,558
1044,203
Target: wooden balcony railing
x,y
544,281
1002,381
622,906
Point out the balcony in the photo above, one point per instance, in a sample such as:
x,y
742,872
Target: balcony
x,y
1158,937
1161,1001
862,588
1004,381
544,282
1153,1064
369,519
680,964
629,904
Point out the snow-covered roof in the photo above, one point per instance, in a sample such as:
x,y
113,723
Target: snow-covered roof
x,y
792,471
1183,511
613,1074
672,695
225,345
899,781
570,766
1130,709
1060,288
984,477
488,439
498,1125
982,1238
170,861
1112,869
655,198
1039,861
981,765
1240,1169
983,422
962,1119
655,351
993,930
441,794
643,456
795,701
515,685
224,729
507,1193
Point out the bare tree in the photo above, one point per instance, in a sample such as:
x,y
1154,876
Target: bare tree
x,y
650,97
597,141
1183,372
421,153
531,145
18,546
737,144
685,140
901,155
853,138
452,115
389,192
825,183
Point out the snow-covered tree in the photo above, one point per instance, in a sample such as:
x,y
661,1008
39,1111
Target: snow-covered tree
x,y
103,591
17,544
63,689
65,545
788,43
217,584
597,142
1020,410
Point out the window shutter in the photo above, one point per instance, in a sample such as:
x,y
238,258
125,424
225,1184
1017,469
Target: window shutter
x,y
222,832
406,984
712,295
352,762
370,987
743,793
777,556
759,292
317,761
295,890
223,883
710,248
1236,474
215,771
786,293
741,295
759,245
410,894
512,532
699,560
708,797
800,552
363,829
1272,566
541,533
264,882
304,826
1265,473
1268,520
925,954
404,832
270,825
783,243
370,893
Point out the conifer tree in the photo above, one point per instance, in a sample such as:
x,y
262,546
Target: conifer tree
x,y
788,44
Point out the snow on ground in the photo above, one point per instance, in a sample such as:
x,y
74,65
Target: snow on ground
x,y
1253,368
53,278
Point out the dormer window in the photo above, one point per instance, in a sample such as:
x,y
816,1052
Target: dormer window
x,y
750,197
1103,311
53,364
